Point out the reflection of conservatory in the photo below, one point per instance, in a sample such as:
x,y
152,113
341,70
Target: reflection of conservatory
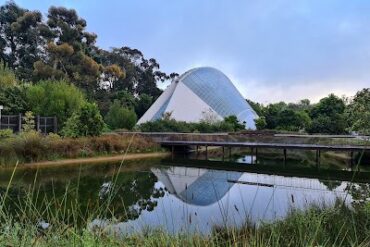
x,y
197,186
201,93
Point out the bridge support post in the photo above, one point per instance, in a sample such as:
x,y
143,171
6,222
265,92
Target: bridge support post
x,y
352,160
229,153
252,152
172,152
256,154
285,157
197,152
318,154
184,151
206,152
223,153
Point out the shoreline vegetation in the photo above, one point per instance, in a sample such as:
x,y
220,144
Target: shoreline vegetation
x,y
28,220
32,148
109,158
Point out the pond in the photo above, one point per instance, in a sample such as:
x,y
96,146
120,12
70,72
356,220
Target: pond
x,y
180,195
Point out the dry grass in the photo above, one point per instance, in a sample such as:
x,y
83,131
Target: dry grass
x,y
33,147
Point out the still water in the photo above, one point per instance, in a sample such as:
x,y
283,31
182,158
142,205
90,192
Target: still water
x,y
177,196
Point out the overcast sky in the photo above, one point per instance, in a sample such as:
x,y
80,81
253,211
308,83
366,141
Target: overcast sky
x,y
272,50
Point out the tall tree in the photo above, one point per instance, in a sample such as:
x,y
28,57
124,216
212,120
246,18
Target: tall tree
x,y
328,116
358,112
68,50
20,38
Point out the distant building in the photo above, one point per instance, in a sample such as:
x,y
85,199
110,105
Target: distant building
x,y
201,94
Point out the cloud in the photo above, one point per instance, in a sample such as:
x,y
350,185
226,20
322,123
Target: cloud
x,y
278,50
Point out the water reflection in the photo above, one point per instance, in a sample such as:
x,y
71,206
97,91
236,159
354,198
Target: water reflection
x,y
197,199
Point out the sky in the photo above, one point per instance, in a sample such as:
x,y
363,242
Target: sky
x,y
281,50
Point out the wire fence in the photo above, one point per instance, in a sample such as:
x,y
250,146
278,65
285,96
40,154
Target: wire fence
x,y
44,125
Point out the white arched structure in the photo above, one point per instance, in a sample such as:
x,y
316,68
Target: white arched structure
x,y
201,93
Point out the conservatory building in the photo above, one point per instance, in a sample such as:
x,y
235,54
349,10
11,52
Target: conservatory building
x,y
201,94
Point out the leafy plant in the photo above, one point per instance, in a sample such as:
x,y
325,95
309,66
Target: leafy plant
x,y
87,121
120,117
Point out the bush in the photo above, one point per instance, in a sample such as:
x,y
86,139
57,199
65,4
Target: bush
x,y
55,98
229,124
6,133
120,117
85,122
260,123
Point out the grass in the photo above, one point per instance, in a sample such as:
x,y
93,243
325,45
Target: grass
x,y
337,226
22,211
34,147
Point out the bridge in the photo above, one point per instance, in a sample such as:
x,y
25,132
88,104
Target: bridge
x,y
256,145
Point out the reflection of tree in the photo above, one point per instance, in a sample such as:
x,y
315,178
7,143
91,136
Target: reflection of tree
x,y
82,197
133,193
360,193
331,184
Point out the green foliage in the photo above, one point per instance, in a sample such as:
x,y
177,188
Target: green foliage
x,y
21,40
13,99
260,123
7,76
358,112
234,123
328,116
142,104
120,117
6,133
29,122
292,117
87,121
167,124
289,119
55,98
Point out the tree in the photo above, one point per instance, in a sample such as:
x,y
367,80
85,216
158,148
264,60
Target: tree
x,y
271,114
7,76
142,104
358,112
234,123
87,121
257,107
55,98
111,75
120,117
328,116
260,123
21,38
13,99
289,119
68,50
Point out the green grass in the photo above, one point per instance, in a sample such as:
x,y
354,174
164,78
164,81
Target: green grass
x,y
22,209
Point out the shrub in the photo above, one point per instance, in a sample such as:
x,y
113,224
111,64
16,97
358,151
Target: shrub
x,y
120,117
29,122
6,133
55,98
85,122
170,125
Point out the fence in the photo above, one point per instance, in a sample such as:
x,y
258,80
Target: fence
x,y
42,124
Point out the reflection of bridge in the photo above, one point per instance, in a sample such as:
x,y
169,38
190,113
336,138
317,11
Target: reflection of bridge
x,y
256,145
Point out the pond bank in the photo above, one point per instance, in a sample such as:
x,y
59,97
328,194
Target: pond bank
x,y
90,160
